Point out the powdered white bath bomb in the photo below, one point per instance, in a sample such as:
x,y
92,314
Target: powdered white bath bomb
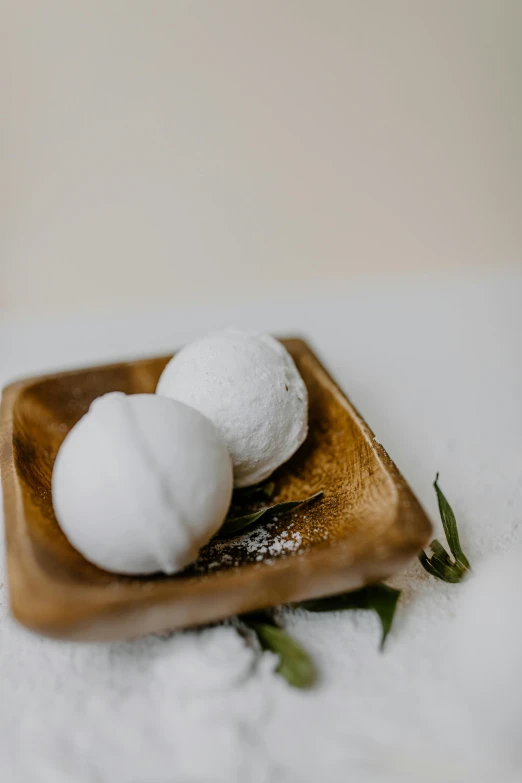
x,y
140,483
247,384
488,647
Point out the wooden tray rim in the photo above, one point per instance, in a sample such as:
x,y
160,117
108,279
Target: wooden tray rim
x,y
38,603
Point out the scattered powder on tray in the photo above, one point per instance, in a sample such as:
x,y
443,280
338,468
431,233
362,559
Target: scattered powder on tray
x,y
261,544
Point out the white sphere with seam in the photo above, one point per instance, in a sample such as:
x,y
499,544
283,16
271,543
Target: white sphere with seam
x,y
247,384
140,483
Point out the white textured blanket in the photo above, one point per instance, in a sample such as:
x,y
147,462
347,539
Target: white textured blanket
x,y
435,368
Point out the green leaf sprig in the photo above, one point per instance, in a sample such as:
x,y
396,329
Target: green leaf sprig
x,y
380,598
440,563
295,665
235,525
258,492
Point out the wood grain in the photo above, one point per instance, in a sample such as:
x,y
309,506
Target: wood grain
x,y
367,526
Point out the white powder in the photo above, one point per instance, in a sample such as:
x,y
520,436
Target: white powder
x,y
261,544
202,707
261,541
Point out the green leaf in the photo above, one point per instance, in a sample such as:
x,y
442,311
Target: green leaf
x,y
431,569
439,552
447,573
383,600
295,665
236,525
450,527
440,564
259,492
379,598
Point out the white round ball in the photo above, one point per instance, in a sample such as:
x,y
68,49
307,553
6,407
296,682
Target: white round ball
x,y
488,646
141,483
247,384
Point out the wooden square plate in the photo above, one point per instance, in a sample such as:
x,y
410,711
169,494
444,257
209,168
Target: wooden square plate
x,y
367,525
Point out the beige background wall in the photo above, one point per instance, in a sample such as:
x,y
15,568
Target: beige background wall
x,y
164,151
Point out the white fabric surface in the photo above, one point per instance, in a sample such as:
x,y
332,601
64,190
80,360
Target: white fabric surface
x,y
434,366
